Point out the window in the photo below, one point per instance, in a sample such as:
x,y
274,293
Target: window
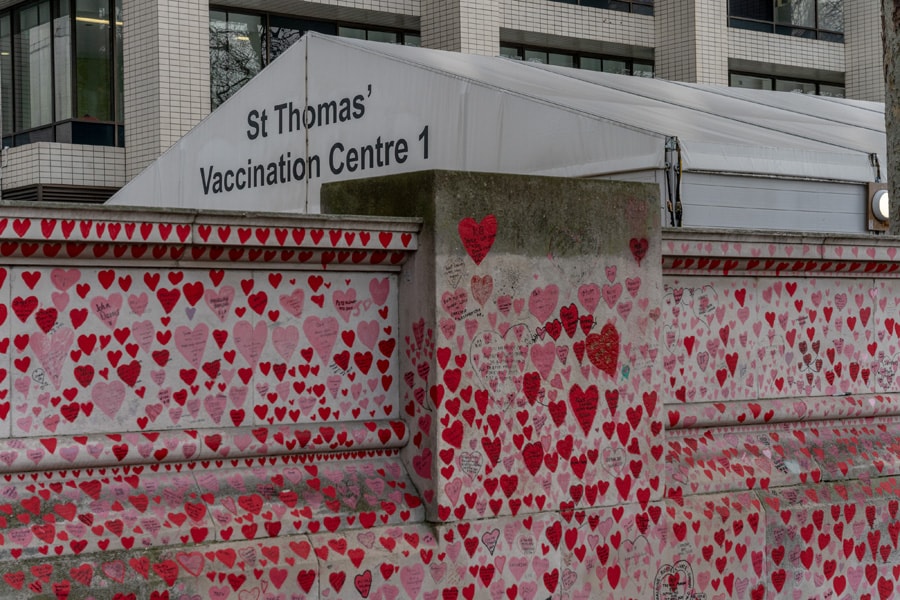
x,y
241,44
61,72
640,7
785,84
813,19
607,64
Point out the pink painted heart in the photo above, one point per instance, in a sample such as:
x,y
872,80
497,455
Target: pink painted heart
x,y
285,341
293,302
482,288
542,302
107,309
379,289
345,303
219,301
192,342
52,351
109,397
321,334
250,340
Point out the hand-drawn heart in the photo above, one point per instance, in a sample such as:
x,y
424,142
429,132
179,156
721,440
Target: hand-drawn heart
x,y
500,360
478,238
109,398
602,349
482,287
322,334
52,351
584,405
639,248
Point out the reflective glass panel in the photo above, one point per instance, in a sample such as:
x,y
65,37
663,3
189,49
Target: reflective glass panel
x,y
6,75
352,32
801,13
536,56
831,15
93,60
62,60
235,52
509,52
33,67
620,67
760,10
832,91
388,37
118,84
751,82
642,70
591,63
561,60
798,87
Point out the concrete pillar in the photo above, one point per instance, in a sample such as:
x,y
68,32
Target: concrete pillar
x,y
468,26
166,55
527,352
692,40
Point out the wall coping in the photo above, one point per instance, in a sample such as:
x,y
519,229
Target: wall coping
x,y
736,252
32,232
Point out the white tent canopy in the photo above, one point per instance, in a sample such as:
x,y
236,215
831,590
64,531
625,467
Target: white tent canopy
x,y
331,108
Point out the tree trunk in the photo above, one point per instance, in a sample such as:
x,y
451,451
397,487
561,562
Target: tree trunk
x,y
890,17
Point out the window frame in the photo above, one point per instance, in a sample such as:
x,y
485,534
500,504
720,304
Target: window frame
x,y
578,56
645,7
72,129
266,21
778,28
773,79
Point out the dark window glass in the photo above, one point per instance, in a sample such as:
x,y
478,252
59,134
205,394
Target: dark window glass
x,y
284,31
831,15
641,7
813,19
6,75
801,13
781,84
93,60
242,44
752,9
750,82
33,67
61,60
235,52
609,64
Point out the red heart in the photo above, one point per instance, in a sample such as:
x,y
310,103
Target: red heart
x,y
639,249
478,238
603,349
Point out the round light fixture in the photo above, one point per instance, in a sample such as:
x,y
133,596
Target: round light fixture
x,y
881,206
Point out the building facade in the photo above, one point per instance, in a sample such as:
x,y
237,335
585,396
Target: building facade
x,y
94,90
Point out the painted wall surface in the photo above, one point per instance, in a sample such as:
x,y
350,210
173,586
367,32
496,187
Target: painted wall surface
x,y
529,391
531,379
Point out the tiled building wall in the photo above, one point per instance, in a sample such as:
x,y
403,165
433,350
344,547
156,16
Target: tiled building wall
x,y
785,50
63,164
166,75
711,39
676,51
441,25
692,41
864,76
468,26
568,20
